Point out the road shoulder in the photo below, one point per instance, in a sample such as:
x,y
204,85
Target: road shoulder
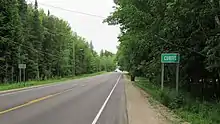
x,y
139,109
37,84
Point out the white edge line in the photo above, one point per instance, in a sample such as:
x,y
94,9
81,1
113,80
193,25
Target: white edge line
x,y
106,101
41,87
31,89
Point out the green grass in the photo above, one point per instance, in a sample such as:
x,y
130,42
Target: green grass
x,y
10,86
191,110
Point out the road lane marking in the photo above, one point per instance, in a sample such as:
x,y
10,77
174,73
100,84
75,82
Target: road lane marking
x,y
31,89
106,101
25,89
36,101
19,90
26,104
83,85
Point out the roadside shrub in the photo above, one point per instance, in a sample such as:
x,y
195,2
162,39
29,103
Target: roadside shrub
x,y
177,101
215,116
171,99
164,98
193,110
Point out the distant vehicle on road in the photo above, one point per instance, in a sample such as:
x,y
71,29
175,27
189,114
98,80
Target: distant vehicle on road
x,y
117,70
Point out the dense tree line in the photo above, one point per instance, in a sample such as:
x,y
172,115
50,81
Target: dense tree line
x,y
189,27
45,43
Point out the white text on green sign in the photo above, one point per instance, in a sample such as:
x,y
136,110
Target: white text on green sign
x,y
170,58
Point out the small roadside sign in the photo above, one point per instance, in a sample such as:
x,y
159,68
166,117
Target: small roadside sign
x,y
22,66
170,58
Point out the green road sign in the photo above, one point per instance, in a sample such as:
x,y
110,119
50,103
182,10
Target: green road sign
x,y
170,58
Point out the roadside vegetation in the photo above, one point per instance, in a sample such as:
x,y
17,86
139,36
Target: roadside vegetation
x,y
190,109
10,86
188,27
46,44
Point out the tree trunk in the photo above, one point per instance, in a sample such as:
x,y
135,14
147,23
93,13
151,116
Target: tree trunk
x,y
132,78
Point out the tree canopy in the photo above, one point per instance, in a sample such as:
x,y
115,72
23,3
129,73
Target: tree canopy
x,y
46,44
152,27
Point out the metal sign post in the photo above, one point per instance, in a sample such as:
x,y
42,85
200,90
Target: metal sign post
x,y
24,74
170,58
162,75
177,77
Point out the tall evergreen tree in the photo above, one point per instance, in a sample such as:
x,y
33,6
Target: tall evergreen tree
x,y
36,39
45,43
11,36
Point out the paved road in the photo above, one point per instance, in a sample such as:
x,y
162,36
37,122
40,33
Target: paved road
x,y
94,100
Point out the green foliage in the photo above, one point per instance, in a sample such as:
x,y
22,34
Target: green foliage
x,y
9,86
191,110
107,62
10,35
188,27
45,43
171,99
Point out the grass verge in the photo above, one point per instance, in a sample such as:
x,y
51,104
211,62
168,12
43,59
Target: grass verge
x,y
191,110
10,86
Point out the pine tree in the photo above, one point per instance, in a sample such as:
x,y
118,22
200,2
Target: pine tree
x,y
22,7
45,43
11,35
36,39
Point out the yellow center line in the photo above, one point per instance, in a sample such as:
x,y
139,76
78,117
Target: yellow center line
x,y
32,102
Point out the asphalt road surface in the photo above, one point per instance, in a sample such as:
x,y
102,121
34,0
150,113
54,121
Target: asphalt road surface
x,y
93,100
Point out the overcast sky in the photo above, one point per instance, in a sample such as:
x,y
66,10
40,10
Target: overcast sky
x,y
89,27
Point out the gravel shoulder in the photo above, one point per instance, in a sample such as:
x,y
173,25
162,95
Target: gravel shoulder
x,y
139,108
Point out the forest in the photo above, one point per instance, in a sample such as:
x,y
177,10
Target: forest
x,y
46,44
188,27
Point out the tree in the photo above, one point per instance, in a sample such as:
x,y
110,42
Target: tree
x,y
45,43
91,46
11,36
152,27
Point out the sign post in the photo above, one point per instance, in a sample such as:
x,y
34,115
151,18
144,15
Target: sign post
x,y
21,66
162,75
24,74
177,77
19,74
170,58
